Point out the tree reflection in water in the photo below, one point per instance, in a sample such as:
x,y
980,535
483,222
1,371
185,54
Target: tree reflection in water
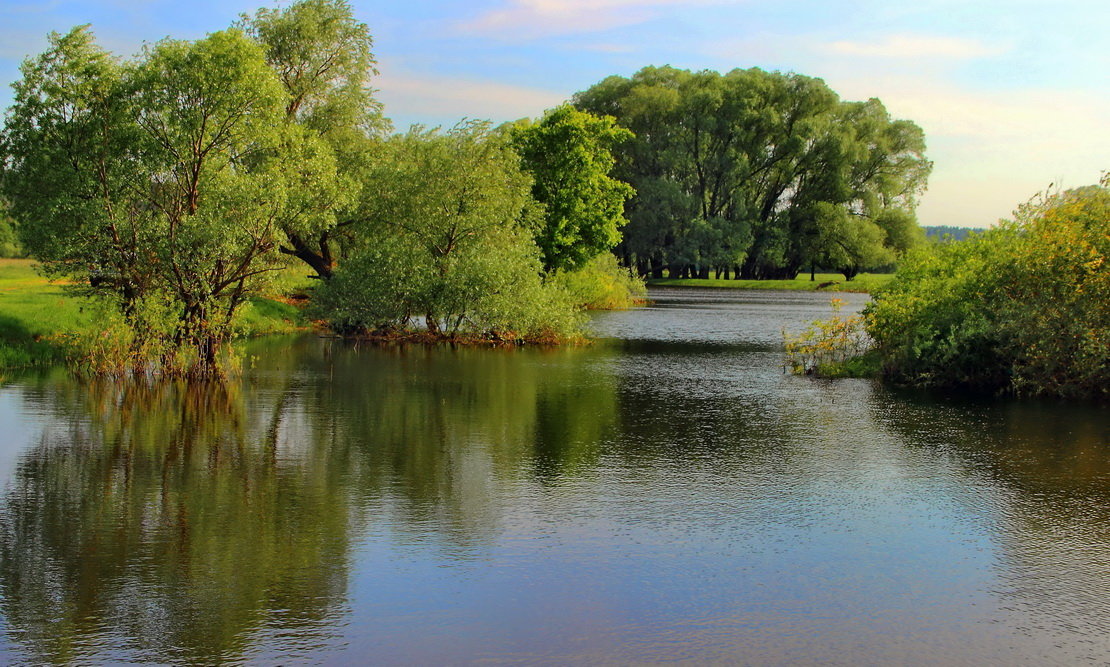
x,y
205,522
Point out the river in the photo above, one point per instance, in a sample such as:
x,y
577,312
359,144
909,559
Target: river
x,y
666,494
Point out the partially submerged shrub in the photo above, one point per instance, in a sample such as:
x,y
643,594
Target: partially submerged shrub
x,y
493,289
827,345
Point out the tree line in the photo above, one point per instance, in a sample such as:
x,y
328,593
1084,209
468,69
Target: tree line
x,y
175,184
759,173
178,182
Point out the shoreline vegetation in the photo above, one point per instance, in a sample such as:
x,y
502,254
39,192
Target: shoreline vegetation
x,y
1022,309
864,283
46,323
175,201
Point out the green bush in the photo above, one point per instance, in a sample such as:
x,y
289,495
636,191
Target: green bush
x,y
492,288
602,284
1024,307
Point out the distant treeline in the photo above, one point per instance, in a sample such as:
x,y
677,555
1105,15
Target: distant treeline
x,y
940,232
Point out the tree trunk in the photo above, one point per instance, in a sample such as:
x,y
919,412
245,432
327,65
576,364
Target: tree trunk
x,y
319,260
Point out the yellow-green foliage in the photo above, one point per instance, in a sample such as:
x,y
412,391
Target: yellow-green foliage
x,y
602,284
826,344
1023,307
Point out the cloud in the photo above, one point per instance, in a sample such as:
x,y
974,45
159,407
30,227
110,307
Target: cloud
x,y
915,46
525,19
439,99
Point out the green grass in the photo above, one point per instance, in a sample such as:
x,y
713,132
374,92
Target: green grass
x,y
36,316
832,282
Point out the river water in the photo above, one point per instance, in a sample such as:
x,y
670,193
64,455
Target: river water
x,y
667,494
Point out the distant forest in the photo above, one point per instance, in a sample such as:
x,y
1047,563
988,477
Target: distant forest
x,y
939,232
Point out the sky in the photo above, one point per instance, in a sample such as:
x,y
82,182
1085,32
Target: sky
x,y
1013,95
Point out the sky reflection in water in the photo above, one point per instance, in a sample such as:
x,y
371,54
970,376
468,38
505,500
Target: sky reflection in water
x,y
665,494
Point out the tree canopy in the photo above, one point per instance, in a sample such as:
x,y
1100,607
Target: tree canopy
x,y
168,181
449,231
569,154
323,58
764,172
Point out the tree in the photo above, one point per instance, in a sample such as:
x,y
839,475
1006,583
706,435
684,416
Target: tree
x,y
232,176
72,165
166,181
323,57
450,228
729,168
569,156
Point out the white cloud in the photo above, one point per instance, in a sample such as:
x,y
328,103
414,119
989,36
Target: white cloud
x,y
410,96
524,19
915,46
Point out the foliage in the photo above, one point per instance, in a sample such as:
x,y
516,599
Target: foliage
x,y
450,225
569,156
322,56
826,345
10,246
167,180
1024,306
602,284
762,172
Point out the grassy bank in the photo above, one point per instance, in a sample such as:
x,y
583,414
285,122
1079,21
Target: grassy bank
x,y
831,282
38,318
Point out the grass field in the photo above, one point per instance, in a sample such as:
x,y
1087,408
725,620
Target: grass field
x,y
36,315
832,282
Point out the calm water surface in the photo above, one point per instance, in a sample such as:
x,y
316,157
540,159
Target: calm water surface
x,y
667,495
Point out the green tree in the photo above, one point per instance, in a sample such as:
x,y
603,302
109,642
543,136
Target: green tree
x,y
729,169
323,57
73,165
170,181
569,155
450,225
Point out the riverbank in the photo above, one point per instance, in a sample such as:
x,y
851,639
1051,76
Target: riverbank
x,y
39,320
864,283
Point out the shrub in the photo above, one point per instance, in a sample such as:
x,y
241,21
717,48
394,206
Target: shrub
x,y
602,284
827,346
1024,307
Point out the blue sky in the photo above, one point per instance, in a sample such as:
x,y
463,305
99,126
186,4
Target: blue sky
x,y
1013,95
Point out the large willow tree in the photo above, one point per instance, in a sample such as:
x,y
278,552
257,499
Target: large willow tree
x,y
167,182
762,172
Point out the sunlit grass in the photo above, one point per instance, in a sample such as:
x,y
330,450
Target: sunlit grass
x,y
37,316
833,282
